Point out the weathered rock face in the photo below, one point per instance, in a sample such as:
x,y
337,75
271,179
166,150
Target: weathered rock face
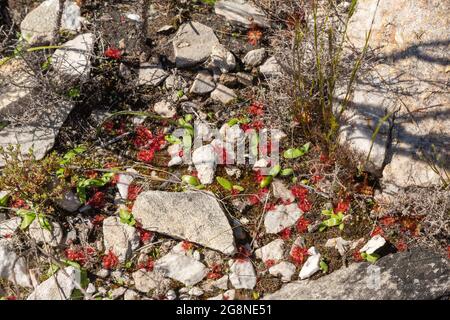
x,y
409,83
59,286
181,268
39,24
414,275
12,267
193,44
241,12
120,238
168,213
74,58
38,126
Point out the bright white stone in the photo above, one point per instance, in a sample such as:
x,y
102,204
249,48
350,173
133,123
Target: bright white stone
x,y
284,269
242,275
181,268
282,217
373,244
272,251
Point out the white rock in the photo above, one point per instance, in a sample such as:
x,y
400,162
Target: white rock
x,y
203,83
233,172
205,160
271,68
193,44
280,191
165,109
42,235
39,24
151,74
74,58
12,267
255,57
282,217
181,268
133,16
175,161
312,264
59,286
120,238
195,291
131,295
221,283
202,131
145,281
124,182
242,275
167,213
223,94
9,227
118,292
241,12
373,244
171,295
284,269
272,251
222,59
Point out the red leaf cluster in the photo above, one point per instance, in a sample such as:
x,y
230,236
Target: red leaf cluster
x,y
110,260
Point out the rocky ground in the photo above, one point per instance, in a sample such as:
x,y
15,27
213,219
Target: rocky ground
x,y
106,205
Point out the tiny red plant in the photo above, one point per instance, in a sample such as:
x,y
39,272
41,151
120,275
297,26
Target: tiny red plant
x,y
146,155
143,137
388,221
401,245
343,205
20,204
302,225
133,192
256,109
110,260
286,233
148,265
298,255
215,272
377,231
186,245
98,219
97,200
357,256
269,263
113,53
254,35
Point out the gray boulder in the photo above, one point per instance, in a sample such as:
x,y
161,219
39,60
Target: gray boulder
x,y
415,275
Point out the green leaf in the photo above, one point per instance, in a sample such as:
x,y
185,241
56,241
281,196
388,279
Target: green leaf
x,y
232,122
172,139
254,141
188,118
305,147
191,180
43,221
226,184
238,188
84,184
74,93
293,153
275,170
180,93
72,154
323,266
4,200
372,258
27,218
287,172
266,181
126,217
71,263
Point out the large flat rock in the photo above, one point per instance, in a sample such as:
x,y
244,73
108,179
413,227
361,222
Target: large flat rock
x,y
406,79
241,12
193,216
193,44
415,275
39,24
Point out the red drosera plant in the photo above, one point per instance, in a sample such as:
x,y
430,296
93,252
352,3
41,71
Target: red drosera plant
x,y
299,254
215,272
257,198
113,53
110,260
269,263
186,245
357,256
97,201
243,254
98,219
20,204
79,255
304,205
254,35
146,155
144,235
316,178
133,192
148,265
377,231
302,225
401,245
342,206
143,137
285,234
256,109
299,192
257,124
388,221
